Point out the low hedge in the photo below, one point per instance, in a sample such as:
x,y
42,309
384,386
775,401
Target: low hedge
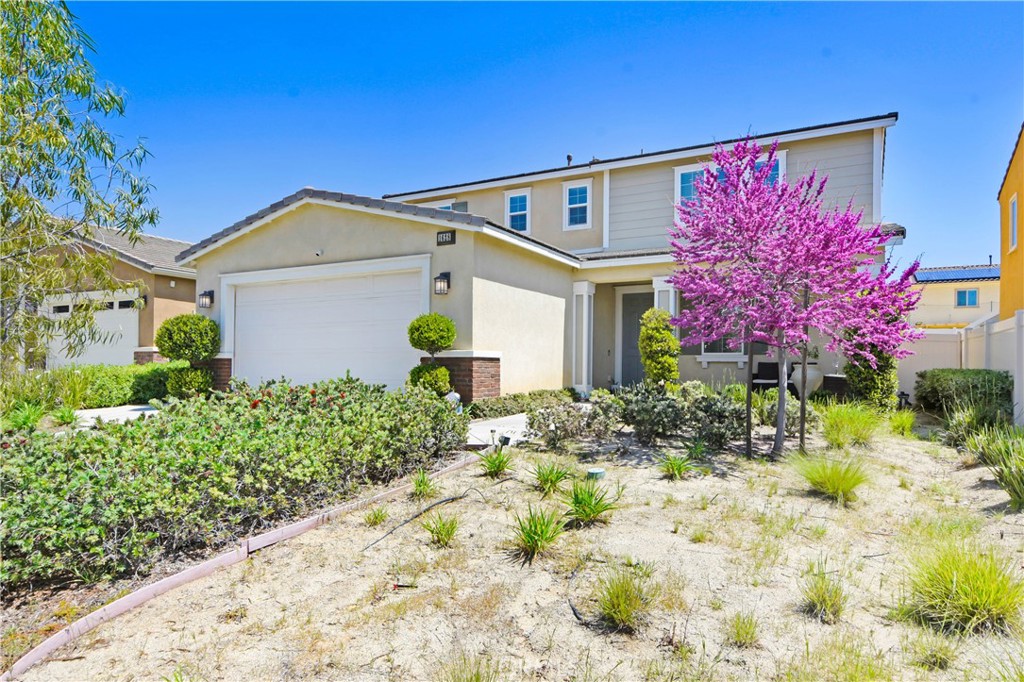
x,y
944,390
101,503
514,403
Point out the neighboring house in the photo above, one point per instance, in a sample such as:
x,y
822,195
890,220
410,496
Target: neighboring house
x,y
1011,193
546,274
165,288
956,295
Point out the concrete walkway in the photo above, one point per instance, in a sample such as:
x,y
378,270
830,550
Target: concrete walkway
x,y
122,413
513,426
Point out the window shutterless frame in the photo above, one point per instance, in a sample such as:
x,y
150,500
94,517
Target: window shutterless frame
x,y
1013,224
577,204
686,176
517,209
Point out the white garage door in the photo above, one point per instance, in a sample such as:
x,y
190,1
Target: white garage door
x,y
317,329
119,325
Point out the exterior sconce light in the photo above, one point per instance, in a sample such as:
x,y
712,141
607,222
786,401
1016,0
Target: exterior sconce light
x,y
206,299
442,283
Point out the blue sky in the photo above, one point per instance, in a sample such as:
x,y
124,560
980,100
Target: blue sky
x,y
242,104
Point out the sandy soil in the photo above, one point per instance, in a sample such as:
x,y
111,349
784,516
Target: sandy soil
x,y
737,540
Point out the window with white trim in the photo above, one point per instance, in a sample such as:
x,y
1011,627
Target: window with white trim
x,y
687,177
517,209
576,204
1013,221
966,298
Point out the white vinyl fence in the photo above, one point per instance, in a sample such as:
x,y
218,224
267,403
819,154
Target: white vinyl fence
x,y
986,344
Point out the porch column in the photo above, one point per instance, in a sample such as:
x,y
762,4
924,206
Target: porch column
x,y
583,336
664,295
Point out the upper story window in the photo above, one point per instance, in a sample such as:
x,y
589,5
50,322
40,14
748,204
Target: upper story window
x,y
449,205
576,204
966,298
687,177
517,209
1013,221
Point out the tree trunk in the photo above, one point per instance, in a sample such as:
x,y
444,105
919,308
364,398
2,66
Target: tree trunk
x,y
803,397
750,400
780,419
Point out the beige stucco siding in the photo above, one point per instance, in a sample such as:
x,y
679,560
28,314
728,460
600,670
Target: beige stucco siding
x,y
938,303
546,207
292,239
642,197
522,308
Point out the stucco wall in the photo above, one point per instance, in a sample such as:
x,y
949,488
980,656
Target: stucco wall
x,y
522,305
546,218
938,303
1011,294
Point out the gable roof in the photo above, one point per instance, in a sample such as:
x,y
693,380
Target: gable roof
x,y
958,273
436,216
150,253
1016,148
650,157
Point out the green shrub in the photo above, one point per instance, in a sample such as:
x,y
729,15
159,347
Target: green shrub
x,y
846,424
516,403
960,586
432,377
536,531
717,421
187,382
837,479
432,333
942,390
65,416
192,337
878,385
557,424
605,415
658,347
792,420
112,385
24,417
970,416
652,412
105,502
901,422
625,596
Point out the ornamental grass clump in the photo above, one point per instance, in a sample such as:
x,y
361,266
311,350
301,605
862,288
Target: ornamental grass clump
x,y
550,477
442,529
589,502
496,462
24,417
846,424
823,594
676,467
962,587
423,487
741,630
625,596
837,479
901,423
536,531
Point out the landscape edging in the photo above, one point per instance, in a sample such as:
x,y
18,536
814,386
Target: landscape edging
x,y
233,556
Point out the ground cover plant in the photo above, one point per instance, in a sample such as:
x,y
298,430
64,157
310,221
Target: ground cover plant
x,y
847,424
515,403
94,504
736,552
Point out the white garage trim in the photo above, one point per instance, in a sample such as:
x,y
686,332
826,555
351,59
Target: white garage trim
x,y
228,282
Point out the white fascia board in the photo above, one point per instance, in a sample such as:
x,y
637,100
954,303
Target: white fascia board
x,y
625,262
180,274
529,246
643,161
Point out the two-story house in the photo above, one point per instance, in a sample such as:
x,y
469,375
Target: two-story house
x,y
1011,193
545,273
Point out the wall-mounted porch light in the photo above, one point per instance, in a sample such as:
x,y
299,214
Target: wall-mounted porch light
x,y
442,283
206,299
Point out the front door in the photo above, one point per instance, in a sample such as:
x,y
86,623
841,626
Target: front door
x,y
633,307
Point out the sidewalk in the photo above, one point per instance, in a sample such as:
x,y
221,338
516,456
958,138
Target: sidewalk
x,y
122,413
513,426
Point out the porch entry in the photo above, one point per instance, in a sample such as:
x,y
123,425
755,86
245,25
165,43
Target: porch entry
x,y
633,308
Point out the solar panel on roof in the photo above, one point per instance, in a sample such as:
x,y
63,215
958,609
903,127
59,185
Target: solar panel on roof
x,y
956,274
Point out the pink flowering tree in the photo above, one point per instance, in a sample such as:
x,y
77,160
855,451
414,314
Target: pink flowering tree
x,y
761,260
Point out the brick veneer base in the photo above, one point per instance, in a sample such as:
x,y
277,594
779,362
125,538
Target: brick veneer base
x,y
473,378
221,368
143,357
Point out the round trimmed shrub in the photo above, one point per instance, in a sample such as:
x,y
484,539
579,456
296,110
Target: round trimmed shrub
x,y
191,337
187,382
433,377
432,333
658,347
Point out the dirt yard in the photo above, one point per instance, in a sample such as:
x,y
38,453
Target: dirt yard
x,y
736,541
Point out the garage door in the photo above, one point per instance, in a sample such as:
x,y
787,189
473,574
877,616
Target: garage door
x,y
119,325
310,330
